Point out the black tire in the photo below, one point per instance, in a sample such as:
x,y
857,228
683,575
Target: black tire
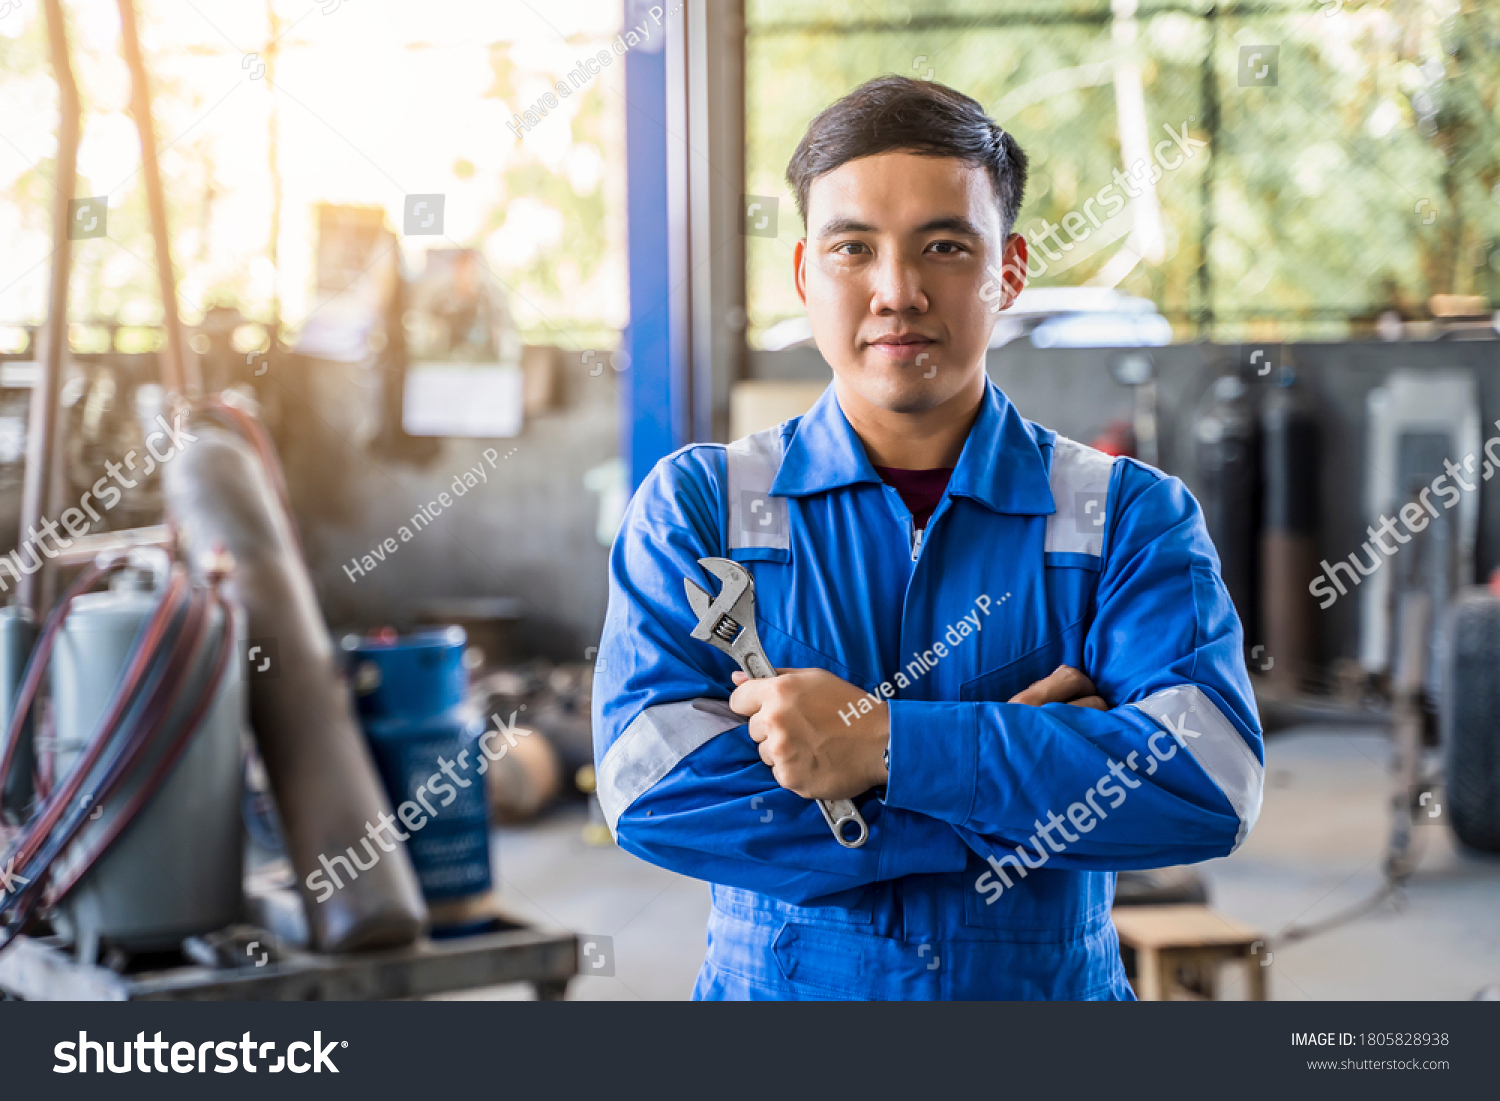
x,y
1471,719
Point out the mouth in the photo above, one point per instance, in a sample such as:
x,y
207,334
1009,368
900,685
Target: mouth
x,y
903,346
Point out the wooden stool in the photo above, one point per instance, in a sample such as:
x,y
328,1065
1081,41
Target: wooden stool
x,y
1169,938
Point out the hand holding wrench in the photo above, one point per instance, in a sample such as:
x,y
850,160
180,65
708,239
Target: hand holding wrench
x,y
728,623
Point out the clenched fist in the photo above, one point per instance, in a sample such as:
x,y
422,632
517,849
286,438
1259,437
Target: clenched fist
x,y
794,718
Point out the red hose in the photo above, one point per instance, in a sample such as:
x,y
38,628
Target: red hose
x,y
164,767
53,808
42,832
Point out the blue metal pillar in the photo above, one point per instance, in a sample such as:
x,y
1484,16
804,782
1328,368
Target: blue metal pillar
x,y
649,425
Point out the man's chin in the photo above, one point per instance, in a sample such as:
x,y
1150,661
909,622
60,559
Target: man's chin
x,y
901,394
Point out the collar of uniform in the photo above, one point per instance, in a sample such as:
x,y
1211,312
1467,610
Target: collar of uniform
x,y
823,453
1000,465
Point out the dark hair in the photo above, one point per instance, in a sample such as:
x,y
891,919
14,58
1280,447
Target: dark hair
x,y
919,116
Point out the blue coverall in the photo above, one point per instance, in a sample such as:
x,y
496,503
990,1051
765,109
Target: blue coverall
x,y
989,871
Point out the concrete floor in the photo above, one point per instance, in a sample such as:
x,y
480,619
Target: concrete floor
x,y
1316,851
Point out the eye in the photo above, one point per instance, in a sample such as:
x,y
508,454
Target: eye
x,y
839,248
949,248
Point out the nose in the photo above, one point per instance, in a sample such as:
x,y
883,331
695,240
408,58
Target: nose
x,y
897,286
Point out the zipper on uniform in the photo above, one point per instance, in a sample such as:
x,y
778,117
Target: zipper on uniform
x,y
916,532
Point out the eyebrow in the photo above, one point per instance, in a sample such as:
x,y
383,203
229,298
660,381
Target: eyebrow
x,y
953,223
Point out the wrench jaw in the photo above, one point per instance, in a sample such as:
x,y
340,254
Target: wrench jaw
x,y
700,602
728,620
730,572
720,631
734,582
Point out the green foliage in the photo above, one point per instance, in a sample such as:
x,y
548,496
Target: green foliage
x,y
1365,178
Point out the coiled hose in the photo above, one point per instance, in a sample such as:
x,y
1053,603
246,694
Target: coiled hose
x,y
135,723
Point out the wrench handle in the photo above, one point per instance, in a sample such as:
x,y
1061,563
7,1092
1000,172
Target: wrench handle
x,y
755,663
843,818
848,825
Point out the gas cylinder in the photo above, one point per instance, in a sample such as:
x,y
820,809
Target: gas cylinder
x,y
410,694
1226,446
1288,548
176,870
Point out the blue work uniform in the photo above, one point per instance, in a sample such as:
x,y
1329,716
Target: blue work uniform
x,y
989,870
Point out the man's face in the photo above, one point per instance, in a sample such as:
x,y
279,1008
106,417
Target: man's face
x,y
899,248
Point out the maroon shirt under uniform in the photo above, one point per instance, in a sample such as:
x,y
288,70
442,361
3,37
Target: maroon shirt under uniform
x,y
921,490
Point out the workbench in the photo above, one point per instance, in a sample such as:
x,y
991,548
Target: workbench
x,y
40,969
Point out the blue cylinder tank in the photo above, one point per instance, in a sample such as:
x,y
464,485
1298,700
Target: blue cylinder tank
x,y
410,691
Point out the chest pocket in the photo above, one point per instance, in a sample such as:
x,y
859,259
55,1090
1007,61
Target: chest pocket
x,y
786,651
999,685
1072,560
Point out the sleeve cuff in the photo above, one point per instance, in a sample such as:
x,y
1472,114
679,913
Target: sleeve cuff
x,y
934,758
912,844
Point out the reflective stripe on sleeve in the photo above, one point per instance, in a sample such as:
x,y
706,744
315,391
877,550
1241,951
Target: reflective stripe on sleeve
x,y
756,519
652,745
1079,480
1192,719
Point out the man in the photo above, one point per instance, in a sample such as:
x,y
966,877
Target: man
x,y
920,554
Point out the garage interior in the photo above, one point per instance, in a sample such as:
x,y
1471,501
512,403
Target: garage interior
x,y
399,364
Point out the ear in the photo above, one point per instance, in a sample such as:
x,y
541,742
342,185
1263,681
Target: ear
x,y
799,272
1012,271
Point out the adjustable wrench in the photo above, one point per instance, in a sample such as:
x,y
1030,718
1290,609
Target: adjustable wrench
x,y
728,623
